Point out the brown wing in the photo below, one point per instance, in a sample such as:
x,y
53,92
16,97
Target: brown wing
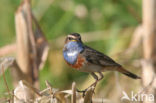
x,y
98,58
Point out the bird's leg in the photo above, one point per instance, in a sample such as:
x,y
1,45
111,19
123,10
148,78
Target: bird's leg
x,y
96,78
101,76
94,84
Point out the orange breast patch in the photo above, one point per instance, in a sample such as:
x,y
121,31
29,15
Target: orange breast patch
x,y
78,64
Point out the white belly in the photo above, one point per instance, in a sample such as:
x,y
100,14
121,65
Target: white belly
x,y
91,68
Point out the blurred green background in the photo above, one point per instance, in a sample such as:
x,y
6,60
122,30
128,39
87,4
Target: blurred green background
x,y
113,20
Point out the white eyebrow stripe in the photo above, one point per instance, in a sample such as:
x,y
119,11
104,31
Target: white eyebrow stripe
x,y
71,36
72,53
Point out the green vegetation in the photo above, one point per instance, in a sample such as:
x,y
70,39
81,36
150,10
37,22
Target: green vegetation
x,y
118,17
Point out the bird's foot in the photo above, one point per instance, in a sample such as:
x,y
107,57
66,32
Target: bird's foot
x,y
82,91
85,90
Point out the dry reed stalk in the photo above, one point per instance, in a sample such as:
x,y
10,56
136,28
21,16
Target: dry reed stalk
x,y
8,49
32,47
6,83
88,95
73,99
149,44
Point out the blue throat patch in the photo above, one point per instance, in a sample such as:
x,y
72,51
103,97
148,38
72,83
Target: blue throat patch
x,y
71,51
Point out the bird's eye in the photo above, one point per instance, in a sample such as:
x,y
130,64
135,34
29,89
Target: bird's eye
x,y
70,38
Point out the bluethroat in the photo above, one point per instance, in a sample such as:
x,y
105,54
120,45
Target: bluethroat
x,y
86,59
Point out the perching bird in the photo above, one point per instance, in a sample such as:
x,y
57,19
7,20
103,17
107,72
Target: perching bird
x,y
87,59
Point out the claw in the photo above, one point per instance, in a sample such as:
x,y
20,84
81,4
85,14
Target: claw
x,y
92,85
82,91
85,90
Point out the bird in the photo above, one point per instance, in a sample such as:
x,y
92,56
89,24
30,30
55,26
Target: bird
x,y
86,59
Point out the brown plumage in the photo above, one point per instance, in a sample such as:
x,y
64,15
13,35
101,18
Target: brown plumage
x,y
86,59
97,58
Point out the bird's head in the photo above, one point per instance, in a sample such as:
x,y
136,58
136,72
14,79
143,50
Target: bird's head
x,y
73,37
73,46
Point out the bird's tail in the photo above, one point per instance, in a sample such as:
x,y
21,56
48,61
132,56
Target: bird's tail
x,y
127,73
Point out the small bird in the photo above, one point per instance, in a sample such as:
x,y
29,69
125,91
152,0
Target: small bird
x,y
86,59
